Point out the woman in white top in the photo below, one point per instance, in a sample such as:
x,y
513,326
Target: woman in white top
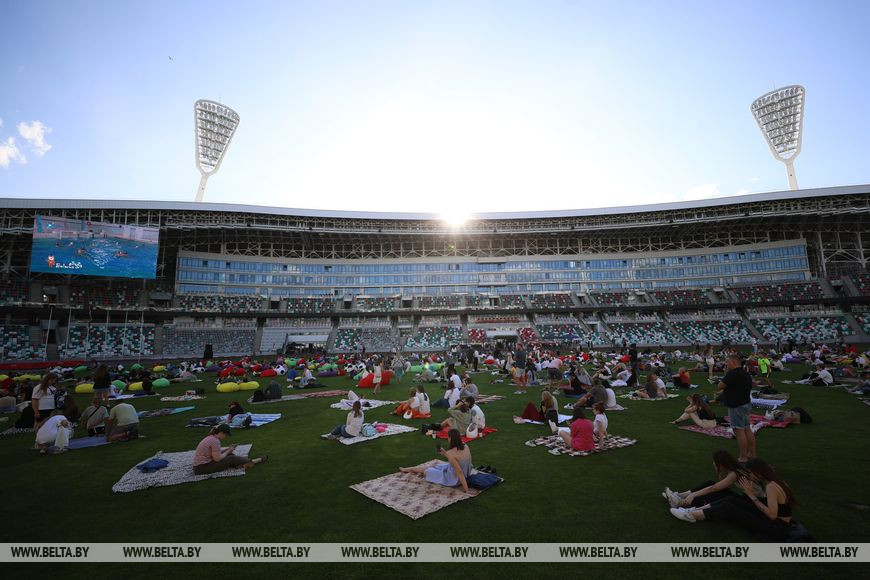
x,y
611,397
420,407
352,426
42,398
379,373
53,431
599,424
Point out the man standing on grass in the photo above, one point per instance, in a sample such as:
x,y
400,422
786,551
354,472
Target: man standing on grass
x,y
736,386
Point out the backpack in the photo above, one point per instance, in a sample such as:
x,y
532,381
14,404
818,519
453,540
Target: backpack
x,y
258,396
368,430
60,398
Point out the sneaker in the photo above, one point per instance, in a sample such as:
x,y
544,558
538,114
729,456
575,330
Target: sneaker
x,y
554,452
530,444
674,499
682,514
553,427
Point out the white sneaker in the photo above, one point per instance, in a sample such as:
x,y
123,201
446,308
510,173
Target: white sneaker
x,y
553,427
682,514
674,499
554,452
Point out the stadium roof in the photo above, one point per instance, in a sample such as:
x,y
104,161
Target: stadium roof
x,y
186,206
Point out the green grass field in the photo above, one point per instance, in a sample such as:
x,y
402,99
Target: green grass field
x,y
302,494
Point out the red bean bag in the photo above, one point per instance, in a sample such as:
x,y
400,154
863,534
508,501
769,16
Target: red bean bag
x,y
269,373
368,381
341,372
386,376
226,372
301,361
239,372
257,368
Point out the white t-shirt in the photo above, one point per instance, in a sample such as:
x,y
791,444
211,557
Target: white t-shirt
x,y
46,399
48,430
421,403
477,417
599,420
826,376
660,384
457,383
353,425
611,397
453,397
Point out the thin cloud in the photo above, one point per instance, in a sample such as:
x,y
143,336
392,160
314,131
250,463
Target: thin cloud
x,y
34,134
10,152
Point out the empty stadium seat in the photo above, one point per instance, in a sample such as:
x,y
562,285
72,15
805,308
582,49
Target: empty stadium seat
x,y
551,301
809,329
682,297
98,340
187,341
713,331
778,292
641,333
15,343
310,305
434,338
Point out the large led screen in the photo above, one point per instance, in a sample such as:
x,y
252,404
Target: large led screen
x,y
69,246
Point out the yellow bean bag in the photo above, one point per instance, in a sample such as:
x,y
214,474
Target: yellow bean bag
x,y
3,377
159,368
249,386
84,389
27,377
228,387
135,386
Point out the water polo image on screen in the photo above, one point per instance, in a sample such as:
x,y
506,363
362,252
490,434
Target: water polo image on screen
x,y
70,246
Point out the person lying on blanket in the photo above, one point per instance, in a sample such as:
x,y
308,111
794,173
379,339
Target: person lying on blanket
x,y
209,457
795,416
655,388
768,516
457,468
352,426
699,412
579,435
727,469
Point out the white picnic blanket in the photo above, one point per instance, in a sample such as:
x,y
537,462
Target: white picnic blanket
x,y
392,429
179,470
347,404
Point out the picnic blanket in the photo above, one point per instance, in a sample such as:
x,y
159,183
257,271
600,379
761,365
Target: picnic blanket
x,y
121,397
367,404
16,431
411,495
392,429
483,399
633,398
557,444
284,398
717,431
257,420
618,407
179,470
182,398
483,433
163,412
562,419
335,393
768,403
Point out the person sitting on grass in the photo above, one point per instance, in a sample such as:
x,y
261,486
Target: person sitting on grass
x,y
209,457
405,406
768,518
352,425
469,389
655,388
579,436
599,423
94,417
122,423
682,380
457,468
54,431
597,394
478,418
451,396
699,412
546,412
460,417
273,391
727,469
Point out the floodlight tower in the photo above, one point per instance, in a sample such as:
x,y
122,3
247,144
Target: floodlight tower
x,y
215,125
780,116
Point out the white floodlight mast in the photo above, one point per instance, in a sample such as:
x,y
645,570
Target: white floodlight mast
x,y
780,116
214,124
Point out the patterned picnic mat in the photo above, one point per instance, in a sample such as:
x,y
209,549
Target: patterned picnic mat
x,y
633,398
557,443
392,429
411,494
179,470
483,399
366,404
717,431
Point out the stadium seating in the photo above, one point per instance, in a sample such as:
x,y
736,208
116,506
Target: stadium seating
x,y
778,292
567,332
476,335
477,301
13,292
186,341
551,301
608,299
127,296
91,297
511,301
863,319
377,339
682,297
376,304
310,305
346,340
218,303
862,283
15,343
641,333
434,338
809,329
451,302
528,334
713,331
103,341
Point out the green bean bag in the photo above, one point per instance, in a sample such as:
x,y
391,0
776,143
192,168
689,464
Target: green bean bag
x,y
162,382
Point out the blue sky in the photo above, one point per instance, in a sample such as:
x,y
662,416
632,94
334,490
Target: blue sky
x,y
428,106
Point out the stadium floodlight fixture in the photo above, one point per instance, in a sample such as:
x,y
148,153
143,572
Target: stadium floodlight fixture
x,y
780,116
215,125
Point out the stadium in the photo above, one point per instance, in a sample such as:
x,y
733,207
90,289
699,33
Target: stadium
x,y
778,269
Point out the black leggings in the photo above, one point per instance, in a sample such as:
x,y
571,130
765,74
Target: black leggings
x,y
740,510
710,497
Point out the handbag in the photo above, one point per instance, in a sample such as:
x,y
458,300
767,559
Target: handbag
x,y
472,432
